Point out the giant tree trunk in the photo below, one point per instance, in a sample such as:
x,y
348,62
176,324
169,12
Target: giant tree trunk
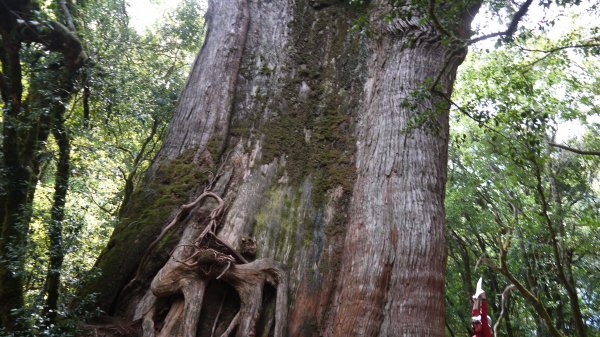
x,y
327,146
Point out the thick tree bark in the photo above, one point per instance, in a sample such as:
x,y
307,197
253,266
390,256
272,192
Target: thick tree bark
x,y
329,147
205,107
395,250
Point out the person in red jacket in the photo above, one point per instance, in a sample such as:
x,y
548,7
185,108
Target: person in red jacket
x,y
480,321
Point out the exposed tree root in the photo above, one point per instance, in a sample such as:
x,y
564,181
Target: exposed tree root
x,y
232,325
110,327
192,266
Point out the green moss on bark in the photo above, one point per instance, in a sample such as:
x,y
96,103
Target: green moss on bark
x,y
312,124
279,220
145,215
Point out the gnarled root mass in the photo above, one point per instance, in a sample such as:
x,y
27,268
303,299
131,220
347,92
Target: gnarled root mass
x,y
189,271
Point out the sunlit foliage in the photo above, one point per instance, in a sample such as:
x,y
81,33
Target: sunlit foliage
x,y
514,196
127,93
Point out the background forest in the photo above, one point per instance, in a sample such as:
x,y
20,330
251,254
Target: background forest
x,y
114,118
523,192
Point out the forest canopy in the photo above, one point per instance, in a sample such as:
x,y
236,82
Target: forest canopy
x,y
90,112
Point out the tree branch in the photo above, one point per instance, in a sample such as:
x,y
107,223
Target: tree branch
x,y
550,52
505,294
55,37
67,14
18,19
512,27
436,22
555,49
466,113
578,151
